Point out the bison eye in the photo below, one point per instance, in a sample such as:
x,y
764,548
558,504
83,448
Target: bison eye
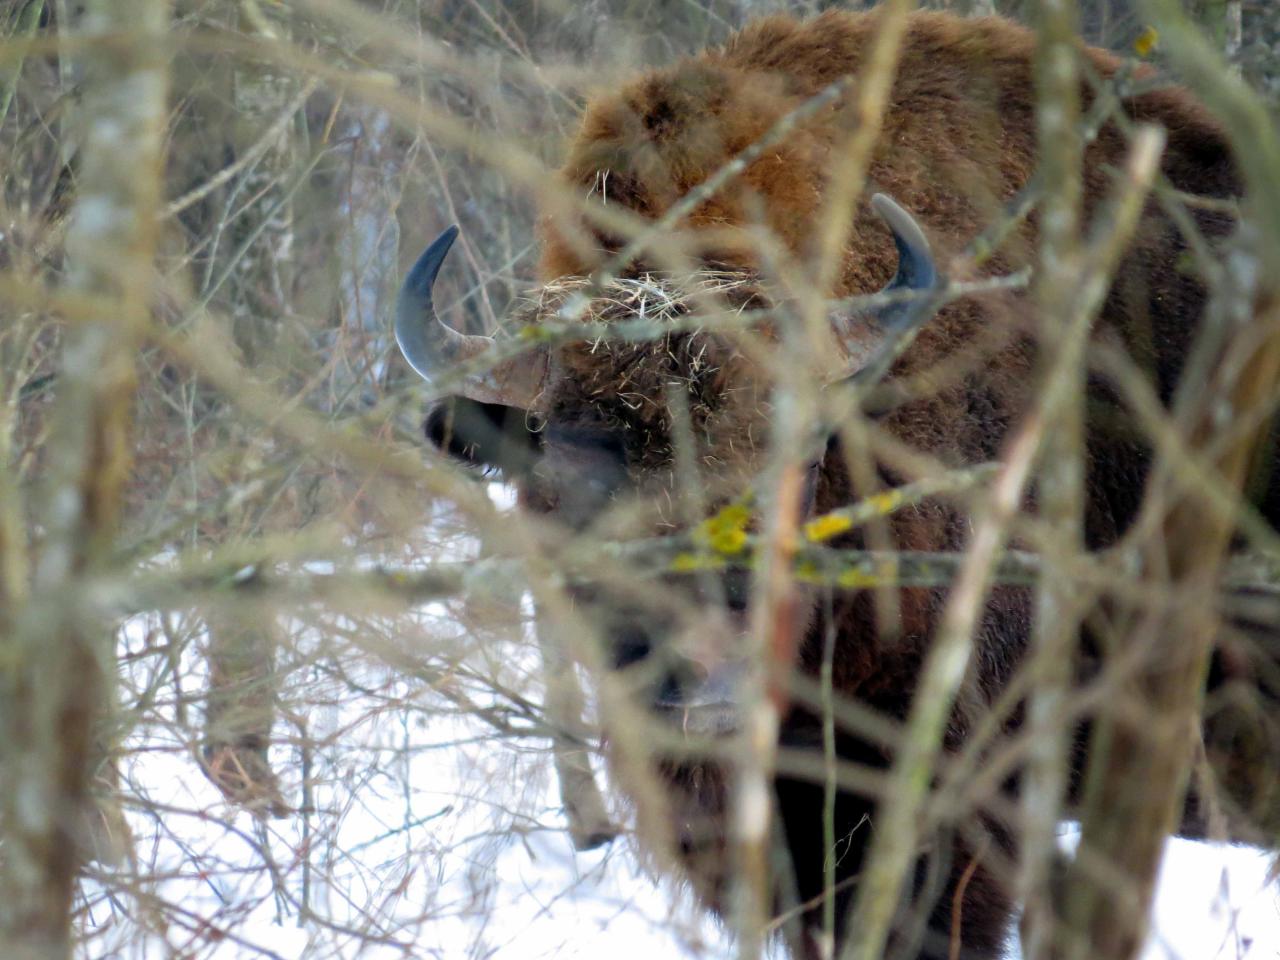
x,y
485,435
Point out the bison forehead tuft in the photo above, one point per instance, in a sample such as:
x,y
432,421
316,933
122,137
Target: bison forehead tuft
x,y
661,342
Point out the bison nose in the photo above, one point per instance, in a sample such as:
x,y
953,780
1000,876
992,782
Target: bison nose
x,y
698,693
631,644
709,706
632,648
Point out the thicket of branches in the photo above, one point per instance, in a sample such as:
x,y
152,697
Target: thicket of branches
x,y
267,663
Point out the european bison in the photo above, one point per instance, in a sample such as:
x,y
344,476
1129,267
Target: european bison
x,y
590,431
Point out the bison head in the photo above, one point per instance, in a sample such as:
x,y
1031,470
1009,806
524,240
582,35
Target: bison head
x,y
643,430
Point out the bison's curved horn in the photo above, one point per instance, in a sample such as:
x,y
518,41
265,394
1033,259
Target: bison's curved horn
x,y
916,270
432,348
871,344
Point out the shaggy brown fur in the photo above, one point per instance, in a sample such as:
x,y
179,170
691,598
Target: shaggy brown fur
x,y
958,141
958,137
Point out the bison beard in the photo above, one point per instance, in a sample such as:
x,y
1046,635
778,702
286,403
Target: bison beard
x,y
958,142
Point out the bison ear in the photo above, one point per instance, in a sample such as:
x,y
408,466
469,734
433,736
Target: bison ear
x,y
487,435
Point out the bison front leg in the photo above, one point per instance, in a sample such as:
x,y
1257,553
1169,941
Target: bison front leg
x,y
959,904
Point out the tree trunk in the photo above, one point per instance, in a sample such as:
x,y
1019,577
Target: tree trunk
x,y
243,685
58,661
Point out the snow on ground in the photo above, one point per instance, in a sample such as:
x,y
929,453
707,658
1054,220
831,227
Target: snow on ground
x,y
430,840
454,845
435,835
1213,902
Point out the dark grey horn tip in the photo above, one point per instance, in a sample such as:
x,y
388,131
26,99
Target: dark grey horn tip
x,y
423,273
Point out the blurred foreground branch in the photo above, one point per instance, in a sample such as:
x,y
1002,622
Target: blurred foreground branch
x,y
895,843
57,657
1138,775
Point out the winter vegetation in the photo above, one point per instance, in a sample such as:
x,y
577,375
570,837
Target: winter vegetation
x,y
280,677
